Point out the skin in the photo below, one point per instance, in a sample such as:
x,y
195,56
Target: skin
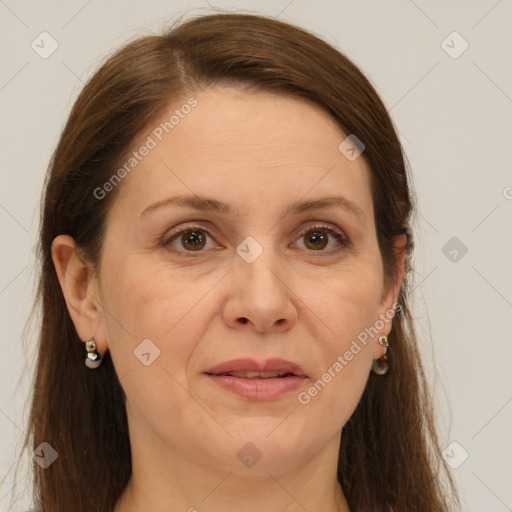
x,y
258,152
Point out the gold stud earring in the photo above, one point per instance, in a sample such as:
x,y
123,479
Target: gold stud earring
x,y
380,366
92,358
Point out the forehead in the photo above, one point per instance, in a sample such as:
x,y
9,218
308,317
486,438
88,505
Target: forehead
x,y
262,124
240,146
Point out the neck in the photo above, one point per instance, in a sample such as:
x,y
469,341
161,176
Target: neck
x,y
168,480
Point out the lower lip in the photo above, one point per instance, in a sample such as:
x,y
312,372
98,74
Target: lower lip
x,y
258,389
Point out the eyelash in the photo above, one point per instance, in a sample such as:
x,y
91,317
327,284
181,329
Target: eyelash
x,y
327,228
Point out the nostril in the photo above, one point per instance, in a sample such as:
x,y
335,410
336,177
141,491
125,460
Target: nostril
x,y
244,320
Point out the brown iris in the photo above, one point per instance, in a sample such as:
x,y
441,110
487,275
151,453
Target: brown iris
x,y
318,239
193,240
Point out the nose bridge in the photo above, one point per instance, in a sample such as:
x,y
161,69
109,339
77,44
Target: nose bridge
x,y
264,296
256,267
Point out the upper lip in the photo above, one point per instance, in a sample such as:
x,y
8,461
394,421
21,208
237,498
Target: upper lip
x,y
269,365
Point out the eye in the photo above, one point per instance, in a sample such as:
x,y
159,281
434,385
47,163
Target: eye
x,y
317,238
192,239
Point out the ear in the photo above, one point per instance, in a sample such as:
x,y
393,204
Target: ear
x,y
394,284
79,286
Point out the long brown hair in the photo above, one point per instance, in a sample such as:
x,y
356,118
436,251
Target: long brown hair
x,y
389,458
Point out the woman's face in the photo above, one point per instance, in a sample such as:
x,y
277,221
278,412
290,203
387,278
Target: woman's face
x,y
263,274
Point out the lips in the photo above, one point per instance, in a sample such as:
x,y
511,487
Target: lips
x,y
249,368
258,380
256,375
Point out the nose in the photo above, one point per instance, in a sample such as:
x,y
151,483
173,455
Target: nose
x,y
260,298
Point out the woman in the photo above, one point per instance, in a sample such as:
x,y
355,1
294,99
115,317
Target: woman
x,y
225,252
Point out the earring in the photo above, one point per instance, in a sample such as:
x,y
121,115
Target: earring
x,y
92,358
380,366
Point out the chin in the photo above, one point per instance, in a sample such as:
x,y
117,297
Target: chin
x,y
274,442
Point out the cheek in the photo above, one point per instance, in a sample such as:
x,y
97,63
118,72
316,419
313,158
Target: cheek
x,y
347,302
144,302
155,320
348,306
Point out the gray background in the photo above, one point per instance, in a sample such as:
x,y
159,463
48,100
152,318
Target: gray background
x,y
453,113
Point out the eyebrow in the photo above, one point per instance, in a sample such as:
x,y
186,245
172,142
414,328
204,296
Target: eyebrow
x,y
207,204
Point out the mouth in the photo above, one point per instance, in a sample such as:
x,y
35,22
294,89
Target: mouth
x,y
255,375
258,380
